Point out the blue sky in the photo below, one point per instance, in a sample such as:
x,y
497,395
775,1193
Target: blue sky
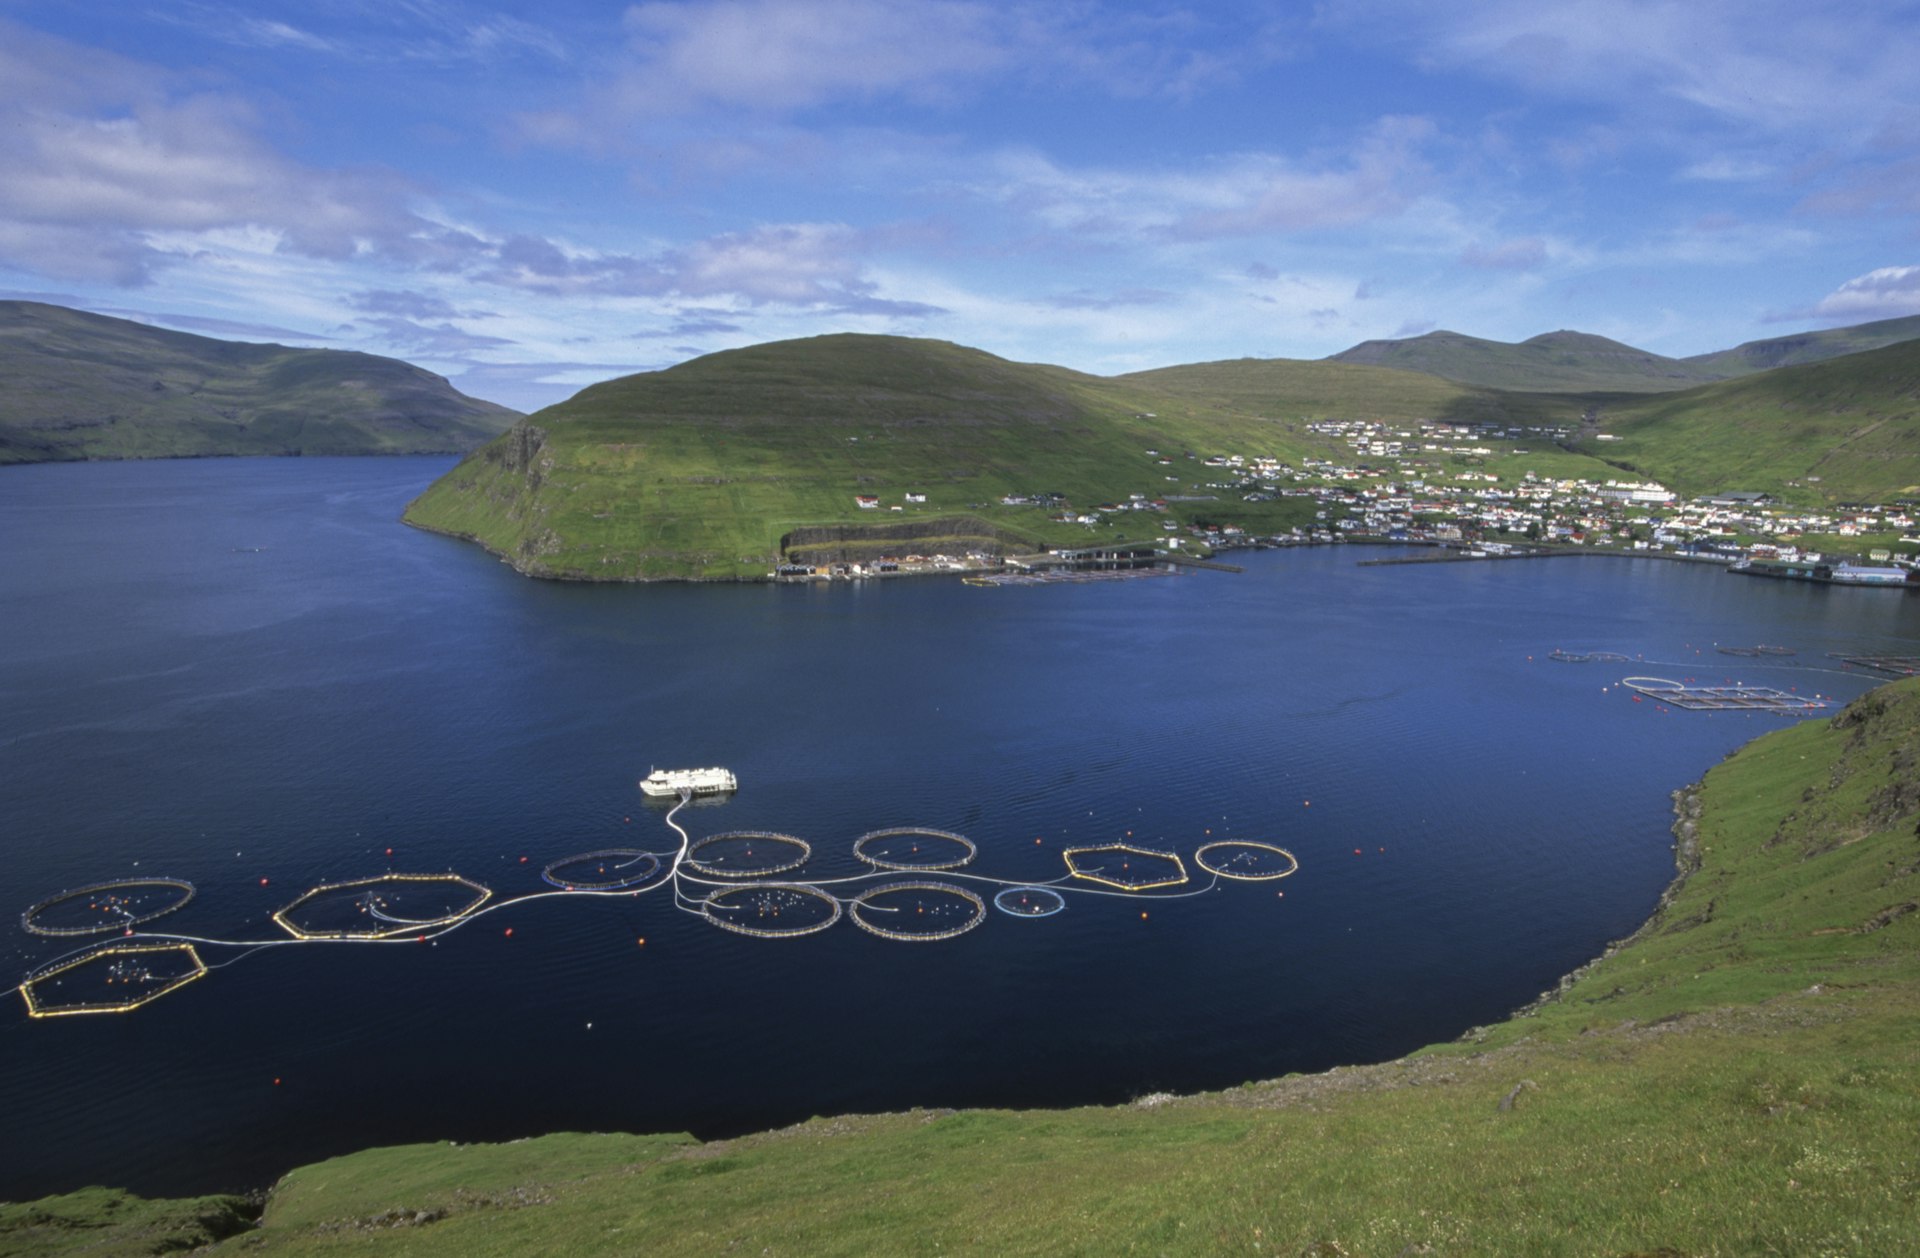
x,y
529,197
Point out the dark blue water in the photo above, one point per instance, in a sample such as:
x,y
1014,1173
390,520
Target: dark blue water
x,y
1471,819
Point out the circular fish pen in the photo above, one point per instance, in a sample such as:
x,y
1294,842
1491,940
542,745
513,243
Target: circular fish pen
x,y
914,848
1029,901
1246,861
614,869
1126,867
747,854
382,907
111,978
917,912
771,910
103,906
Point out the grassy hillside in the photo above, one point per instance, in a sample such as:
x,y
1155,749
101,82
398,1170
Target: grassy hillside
x,y
1853,423
1557,362
83,386
1738,1078
702,469
1807,347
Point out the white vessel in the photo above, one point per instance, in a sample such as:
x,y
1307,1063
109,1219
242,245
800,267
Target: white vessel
x,y
670,782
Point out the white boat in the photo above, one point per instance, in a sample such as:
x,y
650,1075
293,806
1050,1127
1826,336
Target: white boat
x,y
670,782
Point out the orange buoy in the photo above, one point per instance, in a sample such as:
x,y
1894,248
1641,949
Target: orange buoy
x,y
642,941
263,882
1143,917
509,932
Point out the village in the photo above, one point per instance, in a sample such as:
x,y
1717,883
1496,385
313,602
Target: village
x,y
1428,482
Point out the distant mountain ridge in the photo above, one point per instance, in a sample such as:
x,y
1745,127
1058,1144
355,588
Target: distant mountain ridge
x,y
75,385
1579,362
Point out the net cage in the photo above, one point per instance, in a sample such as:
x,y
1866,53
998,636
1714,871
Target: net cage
x,y
907,848
747,854
771,910
1721,698
382,907
614,869
111,978
1126,867
1029,901
1245,860
917,912
100,907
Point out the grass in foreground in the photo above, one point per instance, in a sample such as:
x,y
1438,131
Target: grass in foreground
x,y
1739,1078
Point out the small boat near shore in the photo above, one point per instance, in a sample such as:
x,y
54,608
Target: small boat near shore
x,y
666,783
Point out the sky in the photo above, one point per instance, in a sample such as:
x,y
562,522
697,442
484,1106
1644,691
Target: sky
x,y
531,197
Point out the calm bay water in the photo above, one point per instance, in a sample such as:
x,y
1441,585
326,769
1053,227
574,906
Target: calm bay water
x,y
243,670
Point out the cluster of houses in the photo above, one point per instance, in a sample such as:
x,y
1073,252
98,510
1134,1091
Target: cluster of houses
x,y
1392,488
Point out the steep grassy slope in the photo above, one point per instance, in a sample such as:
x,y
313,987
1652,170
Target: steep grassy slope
x,y
84,386
1738,1078
1807,347
1853,423
1556,362
700,470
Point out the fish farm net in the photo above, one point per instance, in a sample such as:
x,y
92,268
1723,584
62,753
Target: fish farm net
x,y
106,906
1722,698
1246,860
747,854
111,978
1753,651
917,912
382,907
612,870
1029,901
1898,665
913,848
771,910
1126,867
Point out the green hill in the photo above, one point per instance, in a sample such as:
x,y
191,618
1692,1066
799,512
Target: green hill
x,y
1844,429
83,386
1740,1077
1807,347
702,469
1556,362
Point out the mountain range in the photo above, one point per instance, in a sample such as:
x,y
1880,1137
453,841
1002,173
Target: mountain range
x,y
75,385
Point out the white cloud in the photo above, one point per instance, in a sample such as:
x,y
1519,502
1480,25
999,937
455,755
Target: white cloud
x,y
99,156
1886,293
1722,168
1523,253
1781,66
790,54
1246,194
